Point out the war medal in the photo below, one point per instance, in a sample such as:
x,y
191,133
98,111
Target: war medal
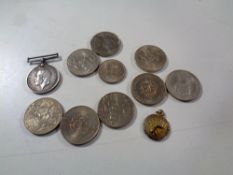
x,y
43,78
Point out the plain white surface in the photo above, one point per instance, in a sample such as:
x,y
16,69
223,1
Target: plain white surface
x,y
196,35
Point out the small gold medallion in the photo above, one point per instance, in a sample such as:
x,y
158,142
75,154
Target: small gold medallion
x,y
156,126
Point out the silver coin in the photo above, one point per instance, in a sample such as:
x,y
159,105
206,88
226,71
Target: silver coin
x,y
112,71
43,116
116,110
43,78
83,62
150,58
148,89
183,85
105,44
80,125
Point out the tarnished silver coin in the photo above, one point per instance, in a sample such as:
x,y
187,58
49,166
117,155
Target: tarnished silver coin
x,y
43,116
43,78
183,85
148,89
80,125
112,71
116,110
156,126
150,58
105,44
83,62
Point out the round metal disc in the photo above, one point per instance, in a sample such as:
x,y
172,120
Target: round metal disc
x,y
183,85
105,44
112,71
82,62
80,125
156,126
148,89
43,116
42,79
150,58
116,110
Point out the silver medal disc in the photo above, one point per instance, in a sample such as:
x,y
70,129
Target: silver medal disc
x,y
43,78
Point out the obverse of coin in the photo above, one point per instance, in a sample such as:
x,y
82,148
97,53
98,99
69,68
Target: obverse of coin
x,y
43,116
148,89
116,110
156,126
82,62
112,71
42,79
183,85
150,58
80,125
105,44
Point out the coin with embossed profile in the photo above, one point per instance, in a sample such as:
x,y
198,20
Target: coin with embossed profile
x,y
105,44
112,71
150,58
43,78
80,125
148,89
183,85
43,116
156,126
83,62
116,110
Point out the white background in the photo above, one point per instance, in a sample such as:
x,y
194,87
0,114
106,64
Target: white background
x,y
196,35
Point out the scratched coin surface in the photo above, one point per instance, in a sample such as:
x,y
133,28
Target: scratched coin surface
x,y
183,85
43,78
105,44
43,116
148,89
150,58
83,62
156,126
112,71
116,110
80,125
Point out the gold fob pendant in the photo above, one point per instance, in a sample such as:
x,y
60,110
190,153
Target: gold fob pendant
x,y
156,126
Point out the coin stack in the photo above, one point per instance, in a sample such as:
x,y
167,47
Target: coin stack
x,y
81,124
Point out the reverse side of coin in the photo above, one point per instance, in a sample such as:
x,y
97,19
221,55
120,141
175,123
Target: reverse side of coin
x,y
156,126
42,79
43,116
80,125
183,85
150,58
83,62
116,110
112,71
148,89
105,44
